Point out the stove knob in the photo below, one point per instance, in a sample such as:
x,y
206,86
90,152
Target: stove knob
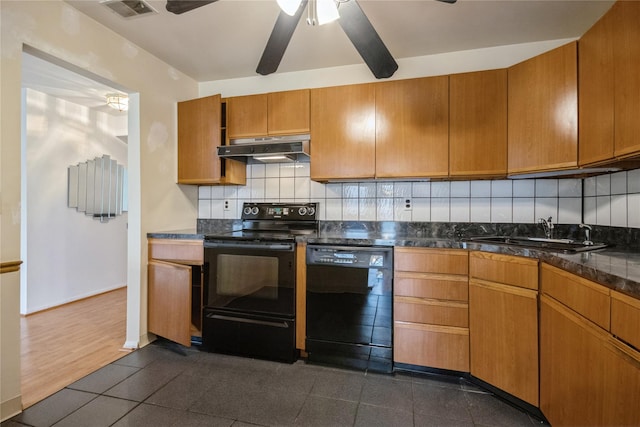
x,y
255,210
311,211
302,211
246,210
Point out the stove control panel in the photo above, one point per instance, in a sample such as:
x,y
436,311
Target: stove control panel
x,y
280,211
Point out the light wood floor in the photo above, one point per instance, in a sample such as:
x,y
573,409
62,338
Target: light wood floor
x,y
61,345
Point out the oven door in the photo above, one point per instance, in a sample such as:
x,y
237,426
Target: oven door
x,y
251,277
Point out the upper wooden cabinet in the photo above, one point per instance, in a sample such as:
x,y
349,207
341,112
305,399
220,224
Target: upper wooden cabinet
x,y
247,116
412,128
478,124
343,132
288,112
277,113
609,86
596,90
200,131
543,112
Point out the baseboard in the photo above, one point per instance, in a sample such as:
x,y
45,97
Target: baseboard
x,y
73,299
10,408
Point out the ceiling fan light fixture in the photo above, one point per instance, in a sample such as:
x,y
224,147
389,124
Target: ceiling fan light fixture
x,y
326,11
118,101
289,6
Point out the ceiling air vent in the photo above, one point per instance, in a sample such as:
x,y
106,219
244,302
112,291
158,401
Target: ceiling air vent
x,y
129,8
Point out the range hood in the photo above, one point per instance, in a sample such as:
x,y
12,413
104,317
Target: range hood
x,y
270,149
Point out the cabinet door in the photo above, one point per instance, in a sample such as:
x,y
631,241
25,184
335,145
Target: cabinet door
x,y
170,301
343,132
587,377
288,112
543,112
627,77
503,332
198,137
247,116
596,90
412,128
572,379
478,124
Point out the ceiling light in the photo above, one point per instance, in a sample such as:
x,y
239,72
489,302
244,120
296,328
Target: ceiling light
x,y
289,6
118,101
320,11
326,11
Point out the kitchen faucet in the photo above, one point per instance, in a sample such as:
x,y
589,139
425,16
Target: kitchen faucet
x,y
587,234
547,226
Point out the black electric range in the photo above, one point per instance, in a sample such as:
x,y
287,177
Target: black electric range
x,y
250,291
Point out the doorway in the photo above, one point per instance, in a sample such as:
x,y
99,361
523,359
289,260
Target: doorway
x,y
69,255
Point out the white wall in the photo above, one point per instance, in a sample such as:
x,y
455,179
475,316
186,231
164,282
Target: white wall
x,y
90,257
424,66
155,203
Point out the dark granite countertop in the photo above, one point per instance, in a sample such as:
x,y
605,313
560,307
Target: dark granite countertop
x,y
186,233
616,268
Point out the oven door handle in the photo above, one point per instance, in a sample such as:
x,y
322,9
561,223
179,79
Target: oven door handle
x,y
271,246
282,324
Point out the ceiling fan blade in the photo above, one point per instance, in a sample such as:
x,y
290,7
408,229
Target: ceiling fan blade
x,y
448,1
279,40
182,6
366,40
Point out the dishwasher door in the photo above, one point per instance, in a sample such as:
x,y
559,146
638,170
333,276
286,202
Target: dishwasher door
x,y
349,307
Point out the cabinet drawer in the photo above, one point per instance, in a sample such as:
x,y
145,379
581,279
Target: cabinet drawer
x,y
506,269
448,261
428,285
185,251
585,297
625,318
442,347
420,310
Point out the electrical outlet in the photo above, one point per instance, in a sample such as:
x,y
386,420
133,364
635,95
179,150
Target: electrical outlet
x,y
227,205
407,204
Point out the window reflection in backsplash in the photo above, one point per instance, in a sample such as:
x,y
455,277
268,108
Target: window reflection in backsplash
x,y
609,200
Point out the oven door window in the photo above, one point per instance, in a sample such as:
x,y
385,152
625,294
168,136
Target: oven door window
x,y
247,276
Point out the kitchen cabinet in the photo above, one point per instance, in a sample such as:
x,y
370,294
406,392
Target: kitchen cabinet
x,y
201,129
543,112
609,86
412,128
431,323
625,318
503,323
276,113
175,280
587,376
478,124
343,132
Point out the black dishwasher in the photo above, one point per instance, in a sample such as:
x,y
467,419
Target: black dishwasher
x,y
349,306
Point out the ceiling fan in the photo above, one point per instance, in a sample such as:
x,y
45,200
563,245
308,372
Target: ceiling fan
x,y
350,16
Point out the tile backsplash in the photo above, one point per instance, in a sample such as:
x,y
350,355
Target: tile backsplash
x,y
609,200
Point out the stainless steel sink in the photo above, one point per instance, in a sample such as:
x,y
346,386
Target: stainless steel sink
x,y
552,245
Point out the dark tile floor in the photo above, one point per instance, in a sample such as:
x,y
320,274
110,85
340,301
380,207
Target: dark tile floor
x,y
158,386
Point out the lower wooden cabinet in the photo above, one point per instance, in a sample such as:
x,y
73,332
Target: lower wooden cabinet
x,y
431,311
588,374
434,346
587,377
503,323
174,290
